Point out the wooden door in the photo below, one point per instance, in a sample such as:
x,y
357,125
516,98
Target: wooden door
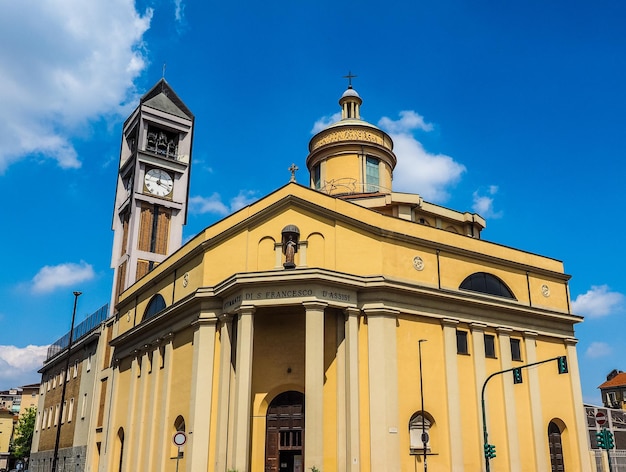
x,y
284,437
556,448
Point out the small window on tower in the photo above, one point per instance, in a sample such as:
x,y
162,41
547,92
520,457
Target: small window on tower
x,y
372,176
162,142
317,177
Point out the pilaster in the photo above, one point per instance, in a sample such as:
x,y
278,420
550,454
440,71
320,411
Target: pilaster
x,y
510,410
353,428
534,389
454,398
383,387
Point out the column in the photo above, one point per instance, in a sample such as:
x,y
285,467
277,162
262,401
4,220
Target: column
x,y
243,384
577,401
224,398
504,336
314,385
478,353
534,389
201,391
353,428
383,389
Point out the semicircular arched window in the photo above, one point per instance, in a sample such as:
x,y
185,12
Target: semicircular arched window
x,y
156,305
487,283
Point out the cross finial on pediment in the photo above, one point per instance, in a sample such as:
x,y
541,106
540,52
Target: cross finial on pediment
x,y
293,168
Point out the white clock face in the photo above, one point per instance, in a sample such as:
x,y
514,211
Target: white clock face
x,y
158,182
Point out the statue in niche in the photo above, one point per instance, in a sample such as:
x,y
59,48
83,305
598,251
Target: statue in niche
x,y
290,237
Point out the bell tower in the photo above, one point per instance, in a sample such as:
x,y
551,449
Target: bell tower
x,y
152,186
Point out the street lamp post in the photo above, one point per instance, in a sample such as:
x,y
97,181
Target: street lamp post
x,y
55,457
424,438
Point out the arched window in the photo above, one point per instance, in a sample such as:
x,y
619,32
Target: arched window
x,y
420,423
486,283
556,447
156,305
179,424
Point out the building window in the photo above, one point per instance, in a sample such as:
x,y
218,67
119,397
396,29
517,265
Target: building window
x,y
486,283
461,342
89,362
70,411
83,407
419,423
154,223
490,346
317,176
156,305
372,176
516,351
64,412
75,368
611,399
161,142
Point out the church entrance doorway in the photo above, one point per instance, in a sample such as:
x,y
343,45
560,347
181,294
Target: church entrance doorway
x,y
284,438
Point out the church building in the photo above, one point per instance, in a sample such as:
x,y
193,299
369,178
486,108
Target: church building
x,y
332,325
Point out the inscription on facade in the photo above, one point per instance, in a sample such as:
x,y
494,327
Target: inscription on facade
x,y
279,293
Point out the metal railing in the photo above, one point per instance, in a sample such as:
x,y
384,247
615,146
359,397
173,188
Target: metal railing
x,y
80,331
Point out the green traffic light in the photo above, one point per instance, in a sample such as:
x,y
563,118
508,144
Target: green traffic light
x,y
562,364
610,444
517,375
601,439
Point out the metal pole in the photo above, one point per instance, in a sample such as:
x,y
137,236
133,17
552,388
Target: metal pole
x,y
424,442
55,457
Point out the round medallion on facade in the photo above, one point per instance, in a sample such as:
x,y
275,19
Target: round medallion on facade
x,y
418,263
545,290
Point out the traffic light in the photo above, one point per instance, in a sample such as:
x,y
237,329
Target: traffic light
x,y
490,451
562,364
610,444
601,439
517,375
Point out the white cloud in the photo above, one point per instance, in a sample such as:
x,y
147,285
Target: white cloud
x,y
409,121
419,171
50,278
483,204
69,62
214,204
325,121
179,10
597,350
18,366
599,302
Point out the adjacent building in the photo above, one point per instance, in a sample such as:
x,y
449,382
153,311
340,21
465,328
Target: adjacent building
x,y
80,377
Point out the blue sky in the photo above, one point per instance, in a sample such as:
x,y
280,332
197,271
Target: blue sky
x,y
511,109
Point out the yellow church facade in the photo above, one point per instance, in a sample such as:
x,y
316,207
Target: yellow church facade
x,y
306,330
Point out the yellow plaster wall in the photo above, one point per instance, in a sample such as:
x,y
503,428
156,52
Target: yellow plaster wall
x,y
410,330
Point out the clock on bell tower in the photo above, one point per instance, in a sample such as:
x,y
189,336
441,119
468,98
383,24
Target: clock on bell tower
x,y
152,186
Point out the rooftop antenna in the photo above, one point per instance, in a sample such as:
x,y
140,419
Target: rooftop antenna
x,y
349,77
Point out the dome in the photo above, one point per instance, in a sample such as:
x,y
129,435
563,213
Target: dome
x,y
350,92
